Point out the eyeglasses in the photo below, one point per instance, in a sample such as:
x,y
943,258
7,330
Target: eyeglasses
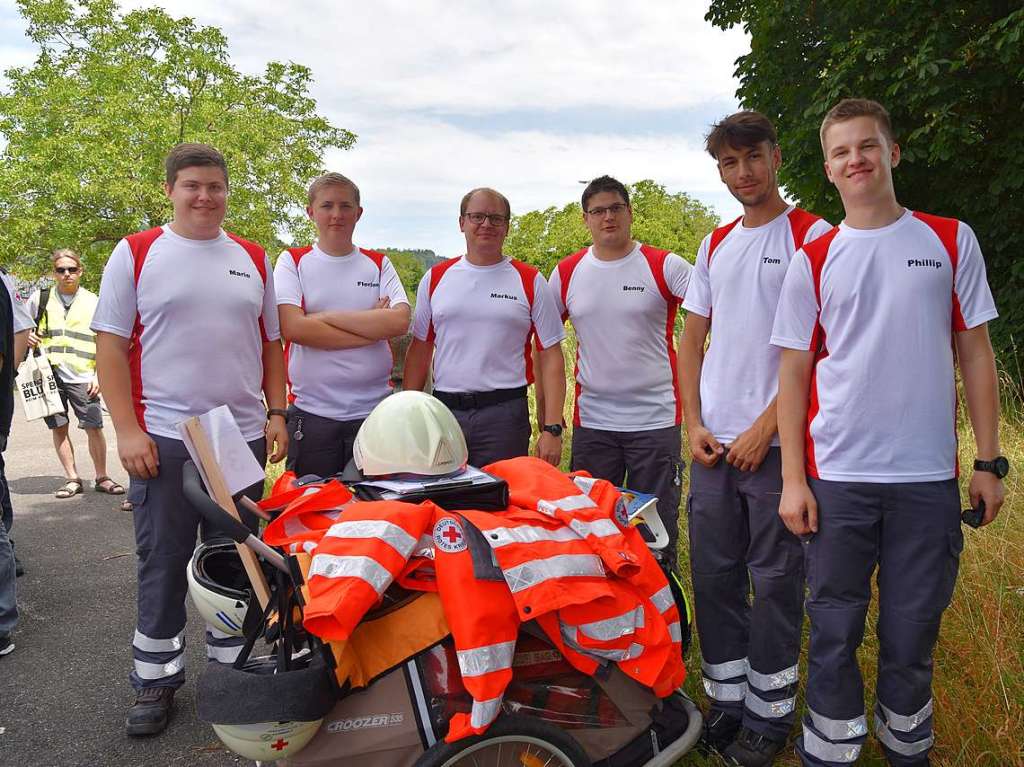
x,y
66,269
615,210
494,219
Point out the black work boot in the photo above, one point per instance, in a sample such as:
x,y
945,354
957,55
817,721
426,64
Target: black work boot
x,y
149,713
751,749
719,731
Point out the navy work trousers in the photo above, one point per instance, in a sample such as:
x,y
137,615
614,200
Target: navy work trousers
x,y
750,643
909,532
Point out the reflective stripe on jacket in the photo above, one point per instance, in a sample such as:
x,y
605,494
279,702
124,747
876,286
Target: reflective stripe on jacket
x,y
67,339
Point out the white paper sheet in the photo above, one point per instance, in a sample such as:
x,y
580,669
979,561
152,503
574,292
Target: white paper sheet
x,y
237,463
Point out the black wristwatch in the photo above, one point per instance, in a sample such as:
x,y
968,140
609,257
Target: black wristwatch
x,y
553,428
999,466
277,411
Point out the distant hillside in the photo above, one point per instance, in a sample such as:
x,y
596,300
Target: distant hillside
x,y
425,257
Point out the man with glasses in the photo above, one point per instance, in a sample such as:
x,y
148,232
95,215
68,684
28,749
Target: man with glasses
x,y
622,297
476,317
63,314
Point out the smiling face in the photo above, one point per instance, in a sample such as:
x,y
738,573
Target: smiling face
x,y
610,220
335,211
750,173
484,238
859,159
199,195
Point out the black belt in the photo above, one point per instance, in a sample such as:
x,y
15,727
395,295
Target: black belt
x,y
469,400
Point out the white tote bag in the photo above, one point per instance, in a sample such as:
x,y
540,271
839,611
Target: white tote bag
x,y
37,387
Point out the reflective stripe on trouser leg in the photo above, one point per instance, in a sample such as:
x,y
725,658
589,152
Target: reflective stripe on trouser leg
x,y
772,698
158,662
725,683
831,742
221,647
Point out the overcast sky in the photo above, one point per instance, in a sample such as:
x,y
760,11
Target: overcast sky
x,y
527,97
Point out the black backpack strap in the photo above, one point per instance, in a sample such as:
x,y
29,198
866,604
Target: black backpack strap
x,y
44,299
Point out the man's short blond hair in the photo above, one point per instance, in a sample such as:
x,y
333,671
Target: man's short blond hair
x,y
331,179
66,253
847,109
484,189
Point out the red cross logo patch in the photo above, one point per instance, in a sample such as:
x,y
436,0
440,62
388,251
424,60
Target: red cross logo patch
x,y
279,745
448,536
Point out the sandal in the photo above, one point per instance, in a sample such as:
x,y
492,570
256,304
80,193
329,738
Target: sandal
x,y
112,489
71,488
127,505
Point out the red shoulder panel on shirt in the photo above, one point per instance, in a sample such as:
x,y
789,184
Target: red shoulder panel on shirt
x,y
377,258
437,272
817,252
946,230
528,274
800,222
139,244
656,260
718,235
256,253
298,253
565,269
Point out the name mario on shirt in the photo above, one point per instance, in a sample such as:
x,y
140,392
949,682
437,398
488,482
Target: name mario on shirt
x,y
236,273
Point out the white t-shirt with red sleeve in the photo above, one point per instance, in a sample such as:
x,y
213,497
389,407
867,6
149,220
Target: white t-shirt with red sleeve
x,y
197,313
341,384
624,313
481,321
736,281
879,308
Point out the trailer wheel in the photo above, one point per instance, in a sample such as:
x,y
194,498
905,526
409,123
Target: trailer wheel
x,y
512,741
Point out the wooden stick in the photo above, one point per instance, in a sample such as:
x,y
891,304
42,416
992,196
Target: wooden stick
x,y
218,488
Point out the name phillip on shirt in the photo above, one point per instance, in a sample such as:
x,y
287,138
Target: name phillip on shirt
x,y
924,262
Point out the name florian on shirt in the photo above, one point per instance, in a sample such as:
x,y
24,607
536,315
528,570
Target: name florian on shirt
x,y
507,296
924,262
236,273
362,284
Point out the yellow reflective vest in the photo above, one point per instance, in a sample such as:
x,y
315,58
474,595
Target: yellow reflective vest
x,y
67,339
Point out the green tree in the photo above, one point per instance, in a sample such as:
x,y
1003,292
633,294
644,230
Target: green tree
x,y
86,128
676,222
951,75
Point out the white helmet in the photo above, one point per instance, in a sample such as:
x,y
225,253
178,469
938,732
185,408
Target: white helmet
x,y
268,741
216,583
410,432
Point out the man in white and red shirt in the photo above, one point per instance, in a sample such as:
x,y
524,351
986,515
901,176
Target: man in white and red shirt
x,y
622,298
477,317
186,321
872,319
338,306
750,644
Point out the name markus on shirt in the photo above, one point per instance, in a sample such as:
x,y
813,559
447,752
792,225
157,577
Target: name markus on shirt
x,y
504,295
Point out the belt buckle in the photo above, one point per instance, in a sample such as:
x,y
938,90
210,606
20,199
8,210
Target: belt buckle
x,y
466,401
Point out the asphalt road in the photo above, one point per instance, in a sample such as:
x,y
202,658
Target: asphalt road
x,y
64,689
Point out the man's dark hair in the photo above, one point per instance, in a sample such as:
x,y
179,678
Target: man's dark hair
x,y
604,184
191,156
742,130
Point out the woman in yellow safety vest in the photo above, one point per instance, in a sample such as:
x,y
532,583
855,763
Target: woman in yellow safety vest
x,y
63,314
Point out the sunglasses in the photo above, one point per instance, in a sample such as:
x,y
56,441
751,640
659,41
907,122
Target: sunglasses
x,y
66,270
